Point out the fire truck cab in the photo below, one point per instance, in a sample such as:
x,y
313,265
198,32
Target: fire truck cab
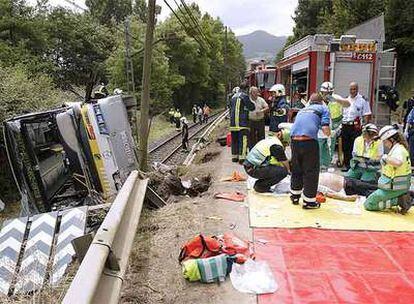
x,y
321,57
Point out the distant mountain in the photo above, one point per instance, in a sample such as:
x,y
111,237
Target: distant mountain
x,y
261,45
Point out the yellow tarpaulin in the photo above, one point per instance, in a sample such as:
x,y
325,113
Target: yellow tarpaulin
x,y
279,212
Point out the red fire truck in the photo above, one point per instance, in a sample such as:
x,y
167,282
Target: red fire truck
x,y
321,57
262,76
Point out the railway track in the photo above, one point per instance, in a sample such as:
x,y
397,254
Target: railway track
x,y
169,150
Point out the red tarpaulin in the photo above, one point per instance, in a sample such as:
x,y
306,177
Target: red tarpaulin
x,y
330,266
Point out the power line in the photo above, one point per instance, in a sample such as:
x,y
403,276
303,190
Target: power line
x,y
185,27
197,23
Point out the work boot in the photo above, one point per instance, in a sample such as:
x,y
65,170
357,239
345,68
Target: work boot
x,y
404,202
310,205
294,198
235,160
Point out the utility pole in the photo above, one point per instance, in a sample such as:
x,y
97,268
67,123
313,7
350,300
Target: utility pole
x,y
226,76
129,66
146,82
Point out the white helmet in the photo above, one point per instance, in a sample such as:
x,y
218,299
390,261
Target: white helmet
x,y
370,128
279,89
236,90
183,120
117,91
327,87
388,132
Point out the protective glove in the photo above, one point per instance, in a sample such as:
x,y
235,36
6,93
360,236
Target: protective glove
x,y
383,160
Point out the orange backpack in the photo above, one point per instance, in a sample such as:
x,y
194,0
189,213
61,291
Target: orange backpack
x,y
200,247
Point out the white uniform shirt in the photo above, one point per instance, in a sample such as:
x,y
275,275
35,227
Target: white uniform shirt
x,y
260,104
359,107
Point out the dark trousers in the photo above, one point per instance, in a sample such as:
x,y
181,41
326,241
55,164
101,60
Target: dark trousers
x,y
266,176
355,186
348,135
305,168
257,132
177,123
239,144
411,144
194,118
184,143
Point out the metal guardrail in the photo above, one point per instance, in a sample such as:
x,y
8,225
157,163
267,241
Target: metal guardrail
x,y
101,273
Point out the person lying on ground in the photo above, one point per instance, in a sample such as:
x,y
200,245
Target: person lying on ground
x,y
267,162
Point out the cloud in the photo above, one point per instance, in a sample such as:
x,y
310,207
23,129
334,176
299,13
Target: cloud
x,y
245,16
242,16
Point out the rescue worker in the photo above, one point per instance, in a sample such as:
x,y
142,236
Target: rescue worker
x,y
358,113
278,107
409,133
408,106
267,163
200,115
206,113
194,112
395,180
240,105
305,151
177,117
184,133
257,117
171,115
335,104
367,153
100,92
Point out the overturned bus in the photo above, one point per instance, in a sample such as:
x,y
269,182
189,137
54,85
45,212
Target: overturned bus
x,y
71,156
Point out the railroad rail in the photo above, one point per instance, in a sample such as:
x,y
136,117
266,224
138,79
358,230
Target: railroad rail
x,y
168,151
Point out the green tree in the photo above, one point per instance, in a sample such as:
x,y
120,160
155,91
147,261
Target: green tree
x,y
108,11
79,48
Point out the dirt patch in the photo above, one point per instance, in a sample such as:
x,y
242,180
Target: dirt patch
x,y
209,156
154,274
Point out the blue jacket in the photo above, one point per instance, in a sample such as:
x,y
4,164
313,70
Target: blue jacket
x,y
240,105
278,112
309,120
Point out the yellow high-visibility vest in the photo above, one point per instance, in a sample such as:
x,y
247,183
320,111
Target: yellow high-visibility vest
x,y
371,152
261,151
403,170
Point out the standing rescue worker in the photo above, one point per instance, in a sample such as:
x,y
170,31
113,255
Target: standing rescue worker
x,y
408,106
267,163
354,116
367,153
194,112
177,117
409,133
395,180
335,104
200,114
171,116
184,134
240,105
256,117
305,151
206,113
279,107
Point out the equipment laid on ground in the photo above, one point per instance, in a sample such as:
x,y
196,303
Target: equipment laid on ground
x,y
70,156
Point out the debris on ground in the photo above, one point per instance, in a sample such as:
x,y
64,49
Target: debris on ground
x,y
235,177
231,196
209,156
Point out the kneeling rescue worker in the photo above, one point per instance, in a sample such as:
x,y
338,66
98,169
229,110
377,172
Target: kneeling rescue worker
x,y
394,183
366,155
305,151
268,163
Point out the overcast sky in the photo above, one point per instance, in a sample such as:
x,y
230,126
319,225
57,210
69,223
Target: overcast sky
x,y
243,16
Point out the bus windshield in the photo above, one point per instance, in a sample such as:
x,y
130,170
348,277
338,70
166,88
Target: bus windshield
x,y
266,79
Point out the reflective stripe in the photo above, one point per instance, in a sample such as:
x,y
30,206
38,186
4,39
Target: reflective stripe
x,y
244,149
296,192
308,199
388,204
237,113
